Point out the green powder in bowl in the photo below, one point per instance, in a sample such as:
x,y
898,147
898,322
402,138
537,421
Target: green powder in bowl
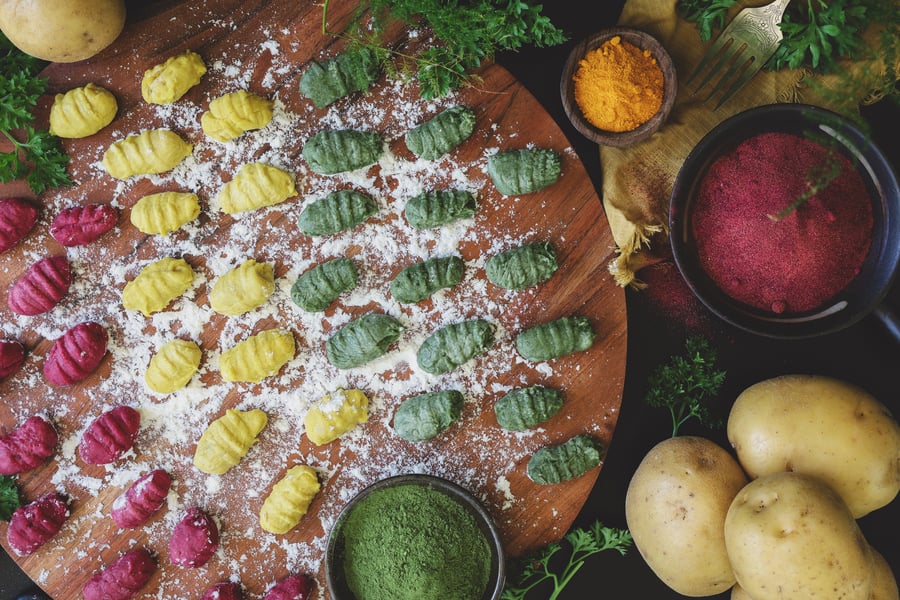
x,y
414,537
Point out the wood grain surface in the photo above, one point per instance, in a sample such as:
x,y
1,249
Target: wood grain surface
x,y
264,47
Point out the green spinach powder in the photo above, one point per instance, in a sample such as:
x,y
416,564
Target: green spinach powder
x,y
412,542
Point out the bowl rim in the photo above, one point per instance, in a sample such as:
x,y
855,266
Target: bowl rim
x,y
643,40
483,519
862,295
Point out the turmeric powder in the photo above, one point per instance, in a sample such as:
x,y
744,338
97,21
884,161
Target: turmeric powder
x,y
618,86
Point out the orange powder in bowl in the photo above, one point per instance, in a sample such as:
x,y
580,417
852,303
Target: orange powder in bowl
x,y
618,86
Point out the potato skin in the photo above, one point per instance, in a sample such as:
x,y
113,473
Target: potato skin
x,y
62,31
791,537
820,426
675,508
884,584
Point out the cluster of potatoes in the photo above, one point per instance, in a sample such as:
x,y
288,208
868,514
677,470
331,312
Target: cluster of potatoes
x,y
813,455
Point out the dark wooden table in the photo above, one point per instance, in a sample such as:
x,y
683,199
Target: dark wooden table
x,y
659,319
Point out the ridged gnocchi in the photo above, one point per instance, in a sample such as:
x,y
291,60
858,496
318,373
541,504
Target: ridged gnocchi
x,y
243,288
232,114
82,111
228,439
170,80
157,285
336,414
172,367
164,212
289,500
146,153
256,185
257,357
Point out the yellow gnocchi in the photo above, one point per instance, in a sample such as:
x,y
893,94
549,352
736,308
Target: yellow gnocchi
x,y
82,111
146,153
170,80
228,439
164,212
172,367
157,285
335,414
259,356
243,288
232,114
289,500
256,185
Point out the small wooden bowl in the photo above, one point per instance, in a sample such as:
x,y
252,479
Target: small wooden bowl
x,y
641,40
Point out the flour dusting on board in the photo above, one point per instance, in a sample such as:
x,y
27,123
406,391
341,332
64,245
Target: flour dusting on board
x,y
471,453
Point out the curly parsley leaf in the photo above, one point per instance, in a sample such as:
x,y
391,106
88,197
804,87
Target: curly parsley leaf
x,y
686,385
538,571
468,34
9,497
36,155
709,15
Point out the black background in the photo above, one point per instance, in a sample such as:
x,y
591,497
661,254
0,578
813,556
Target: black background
x,y
659,319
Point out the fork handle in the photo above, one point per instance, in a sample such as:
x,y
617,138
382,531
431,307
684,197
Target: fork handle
x,y
776,9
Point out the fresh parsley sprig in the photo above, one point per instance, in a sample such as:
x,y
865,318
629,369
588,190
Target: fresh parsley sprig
x,y
468,35
36,155
686,385
9,497
535,571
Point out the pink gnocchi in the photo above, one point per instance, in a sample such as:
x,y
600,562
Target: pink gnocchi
x,y
76,354
12,357
292,587
80,225
122,579
17,217
224,591
27,446
145,496
33,525
110,436
41,287
194,540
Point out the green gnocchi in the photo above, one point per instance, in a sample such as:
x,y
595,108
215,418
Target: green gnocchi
x,y
524,171
571,459
522,267
439,207
164,212
453,345
316,289
435,138
243,288
556,338
332,79
336,212
424,416
420,280
339,150
362,340
524,408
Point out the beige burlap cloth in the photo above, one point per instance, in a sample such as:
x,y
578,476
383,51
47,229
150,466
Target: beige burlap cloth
x,y
637,181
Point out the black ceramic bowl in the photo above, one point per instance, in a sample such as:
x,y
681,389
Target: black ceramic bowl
x,y
334,576
865,292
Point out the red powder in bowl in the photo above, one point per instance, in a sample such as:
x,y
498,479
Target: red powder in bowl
x,y
799,262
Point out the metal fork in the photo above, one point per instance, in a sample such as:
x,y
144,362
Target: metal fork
x,y
741,50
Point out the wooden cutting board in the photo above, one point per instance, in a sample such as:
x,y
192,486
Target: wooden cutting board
x,y
264,47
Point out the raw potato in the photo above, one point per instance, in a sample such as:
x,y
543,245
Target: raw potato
x,y
62,31
738,593
791,537
884,584
823,427
675,509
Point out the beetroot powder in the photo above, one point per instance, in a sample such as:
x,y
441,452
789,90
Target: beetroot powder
x,y
799,262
